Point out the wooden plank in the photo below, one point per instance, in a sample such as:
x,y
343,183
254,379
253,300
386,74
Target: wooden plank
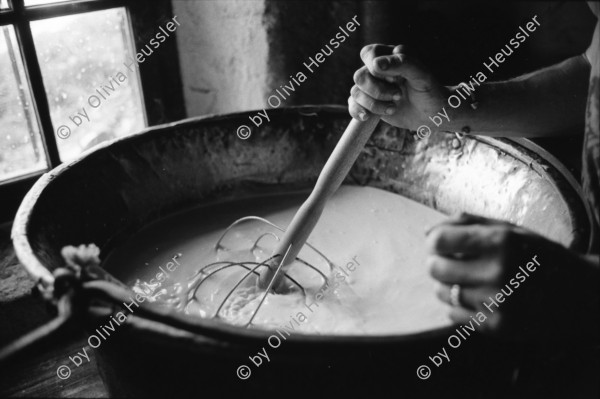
x,y
20,312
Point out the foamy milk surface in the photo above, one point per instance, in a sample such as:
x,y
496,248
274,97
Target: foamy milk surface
x,y
379,284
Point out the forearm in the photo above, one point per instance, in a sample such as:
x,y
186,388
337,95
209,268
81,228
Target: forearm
x,y
547,102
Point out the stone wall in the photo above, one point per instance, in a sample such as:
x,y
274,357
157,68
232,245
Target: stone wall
x,y
234,54
223,54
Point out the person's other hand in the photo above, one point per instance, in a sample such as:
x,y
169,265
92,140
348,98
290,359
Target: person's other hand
x,y
490,260
395,86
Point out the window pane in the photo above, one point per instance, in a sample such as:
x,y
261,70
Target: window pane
x,y
3,4
38,2
21,149
90,77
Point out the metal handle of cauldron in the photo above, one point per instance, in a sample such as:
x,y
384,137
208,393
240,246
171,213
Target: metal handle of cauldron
x,y
71,291
72,294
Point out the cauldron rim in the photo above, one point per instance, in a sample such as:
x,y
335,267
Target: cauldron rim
x,y
44,277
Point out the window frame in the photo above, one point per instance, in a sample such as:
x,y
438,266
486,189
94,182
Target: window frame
x,y
161,87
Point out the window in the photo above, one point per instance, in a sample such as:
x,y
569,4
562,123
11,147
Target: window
x,y
79,56
66,86
21,148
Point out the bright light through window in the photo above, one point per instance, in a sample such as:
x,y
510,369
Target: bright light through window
x,y
93,95
21,149
39,2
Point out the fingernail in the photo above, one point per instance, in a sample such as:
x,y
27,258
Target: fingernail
x,y
383,64
390,110
362,115
397,96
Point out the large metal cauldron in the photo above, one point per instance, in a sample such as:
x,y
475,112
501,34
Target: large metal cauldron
x,y
110,193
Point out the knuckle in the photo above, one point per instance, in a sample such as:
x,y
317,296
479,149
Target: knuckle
x,y
353,108
437,268
439,293
376,92
459,315
501,237
369,48
430,264
397,59
496,274
360,76
370,104
454,316
434,238
399,49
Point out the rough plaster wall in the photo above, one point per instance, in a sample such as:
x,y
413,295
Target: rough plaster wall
x,y
298,30
223,54
234,54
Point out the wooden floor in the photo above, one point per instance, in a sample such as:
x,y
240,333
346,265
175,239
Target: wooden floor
x,y
20,312
37,376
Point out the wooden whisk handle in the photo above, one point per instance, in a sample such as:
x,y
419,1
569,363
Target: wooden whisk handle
x,y
333,174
